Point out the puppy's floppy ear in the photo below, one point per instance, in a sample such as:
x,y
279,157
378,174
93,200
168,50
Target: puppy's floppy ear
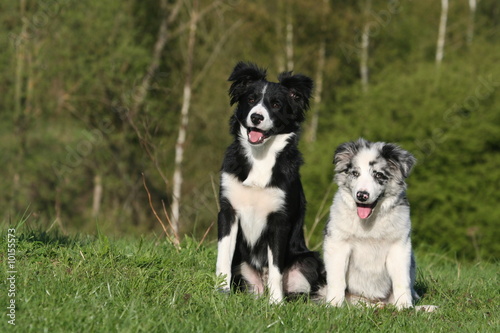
x,y
398,158
243,74
299,88
344,154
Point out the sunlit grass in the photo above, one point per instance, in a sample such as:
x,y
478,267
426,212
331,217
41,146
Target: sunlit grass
x,y
98,284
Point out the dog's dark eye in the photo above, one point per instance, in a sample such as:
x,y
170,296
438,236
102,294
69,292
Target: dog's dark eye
x,y
355,173
380,176
276,105
251,100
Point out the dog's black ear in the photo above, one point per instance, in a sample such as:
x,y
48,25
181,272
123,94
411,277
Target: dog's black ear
x,y
344,154
243,74
299,88
399,158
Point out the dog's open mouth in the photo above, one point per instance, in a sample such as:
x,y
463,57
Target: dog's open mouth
x,y
255,136
365,210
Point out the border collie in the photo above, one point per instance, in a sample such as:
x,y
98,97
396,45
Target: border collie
x,y
367,247
261,243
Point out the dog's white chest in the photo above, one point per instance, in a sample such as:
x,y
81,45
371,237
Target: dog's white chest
x,y
262,158
252,205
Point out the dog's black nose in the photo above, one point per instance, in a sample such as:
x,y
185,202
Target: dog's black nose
x,y
256,118
362,196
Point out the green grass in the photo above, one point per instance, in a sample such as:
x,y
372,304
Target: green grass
x,y
95,284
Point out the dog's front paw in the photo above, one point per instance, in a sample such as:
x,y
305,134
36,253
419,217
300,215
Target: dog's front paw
x,y
335,304
275,301
335,300
403,299
275,297
224,290
404,304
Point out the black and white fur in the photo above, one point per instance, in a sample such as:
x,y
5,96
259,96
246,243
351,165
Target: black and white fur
x,y
261,242
367,247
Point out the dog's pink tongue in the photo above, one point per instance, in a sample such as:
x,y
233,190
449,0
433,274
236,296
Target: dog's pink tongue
x,y
255,136
364,212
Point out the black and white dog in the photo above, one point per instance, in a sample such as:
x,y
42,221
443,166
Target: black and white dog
x,y
367,247
261,241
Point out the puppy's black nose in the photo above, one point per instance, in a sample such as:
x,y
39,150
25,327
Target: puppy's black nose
x,y
256,118
362,196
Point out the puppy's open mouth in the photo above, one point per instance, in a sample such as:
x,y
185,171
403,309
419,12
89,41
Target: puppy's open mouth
x,y
365,210
256,136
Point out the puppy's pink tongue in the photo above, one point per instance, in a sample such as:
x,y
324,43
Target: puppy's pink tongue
x,y
364,212
255,136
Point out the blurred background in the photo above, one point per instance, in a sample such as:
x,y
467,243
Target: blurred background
x,y
114,110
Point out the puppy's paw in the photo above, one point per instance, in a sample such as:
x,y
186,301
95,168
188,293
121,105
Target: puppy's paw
x,y
335,301
403,305
404,301
275,301
427,308
276,296
224,290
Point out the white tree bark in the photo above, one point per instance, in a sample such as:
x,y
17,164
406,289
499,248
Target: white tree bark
x,y
363,64
163,35
140,92
365,44
319,91
97,197
181,139
280,55
470,27
442,32
319,75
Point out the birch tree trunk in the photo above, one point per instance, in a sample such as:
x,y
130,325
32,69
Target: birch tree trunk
x,y
442,32
19,92
181,139
365,43
97,196
470,27
319,75
280,58
140,93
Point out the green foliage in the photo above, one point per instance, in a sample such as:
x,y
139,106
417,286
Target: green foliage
x,y
146,284
72,72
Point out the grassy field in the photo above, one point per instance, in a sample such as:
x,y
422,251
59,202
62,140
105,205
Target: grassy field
x,y
97,284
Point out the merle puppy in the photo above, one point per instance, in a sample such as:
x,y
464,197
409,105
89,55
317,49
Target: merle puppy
x,y
367,246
